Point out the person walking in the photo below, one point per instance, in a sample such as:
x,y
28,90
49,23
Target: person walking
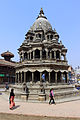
x,y
51,95
11,99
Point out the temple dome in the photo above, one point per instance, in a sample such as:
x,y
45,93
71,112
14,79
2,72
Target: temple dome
x,y
41,22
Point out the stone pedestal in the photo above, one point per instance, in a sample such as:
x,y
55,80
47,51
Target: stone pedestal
x,y
42,97
24,97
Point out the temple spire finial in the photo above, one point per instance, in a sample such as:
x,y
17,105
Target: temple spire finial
x,y
41,14
41,11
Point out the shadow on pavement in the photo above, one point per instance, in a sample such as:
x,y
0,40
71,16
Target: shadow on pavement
x,y
15,107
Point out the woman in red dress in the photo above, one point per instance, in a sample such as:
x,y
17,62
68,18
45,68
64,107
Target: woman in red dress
x,y
11,98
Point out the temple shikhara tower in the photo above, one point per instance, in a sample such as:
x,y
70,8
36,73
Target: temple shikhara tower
x,y
42,52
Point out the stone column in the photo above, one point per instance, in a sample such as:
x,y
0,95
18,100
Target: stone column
x,y
25,77
49,78
67,78
15,77
40,54
21,77
30,55
50,54
32,77
55,77
60,56
40,76
62,78
18,77
33,55
47,54
64,57
54,54
22,56
49,37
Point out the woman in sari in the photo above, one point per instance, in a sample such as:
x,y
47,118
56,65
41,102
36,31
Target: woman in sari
x,y
11,99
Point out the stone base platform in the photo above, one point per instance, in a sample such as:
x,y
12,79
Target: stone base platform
x,y
41,93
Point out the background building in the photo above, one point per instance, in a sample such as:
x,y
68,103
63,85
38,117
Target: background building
x,y
7,68
77,74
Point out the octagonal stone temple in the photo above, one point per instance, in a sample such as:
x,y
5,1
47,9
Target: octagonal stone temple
x,y
42,52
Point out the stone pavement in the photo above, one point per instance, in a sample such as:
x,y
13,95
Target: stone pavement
x,y
67,109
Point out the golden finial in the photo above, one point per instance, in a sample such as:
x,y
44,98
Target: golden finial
x,y
41,11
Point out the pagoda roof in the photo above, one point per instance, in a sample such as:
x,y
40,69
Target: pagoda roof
x,y
7,54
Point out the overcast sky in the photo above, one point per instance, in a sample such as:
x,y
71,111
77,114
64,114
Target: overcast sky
x,y
17,16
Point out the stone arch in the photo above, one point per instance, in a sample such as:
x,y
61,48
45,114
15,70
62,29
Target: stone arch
x,y
37,53
59,77
36,76
28,76
57,54
53,76
44,54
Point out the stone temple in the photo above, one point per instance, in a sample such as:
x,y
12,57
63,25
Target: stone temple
x,y
42,52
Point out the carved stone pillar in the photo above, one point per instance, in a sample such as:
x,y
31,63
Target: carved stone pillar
x,y
18,77
33,55
62,78
55,77
40,54
40,76
49,37
30,55
21,77
24,76
67,78
54,54
49,78
64,57
60,56
47,54
32,77
22,56
50,54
